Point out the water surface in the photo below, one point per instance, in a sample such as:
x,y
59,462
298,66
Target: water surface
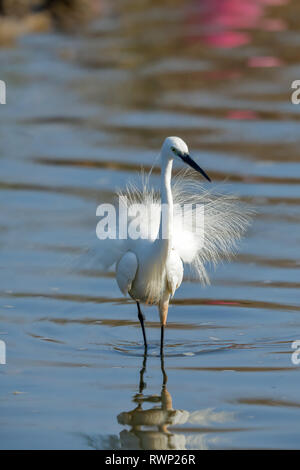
x,y
84,113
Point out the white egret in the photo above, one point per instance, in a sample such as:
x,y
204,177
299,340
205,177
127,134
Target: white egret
x,y
150,268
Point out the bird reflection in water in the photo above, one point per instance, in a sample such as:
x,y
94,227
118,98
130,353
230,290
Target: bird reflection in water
x,y
149,428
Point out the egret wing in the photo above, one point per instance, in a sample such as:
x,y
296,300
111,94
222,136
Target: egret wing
x,y
126,271
174,270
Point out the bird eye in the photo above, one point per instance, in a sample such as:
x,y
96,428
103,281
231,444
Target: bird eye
x,y
174,150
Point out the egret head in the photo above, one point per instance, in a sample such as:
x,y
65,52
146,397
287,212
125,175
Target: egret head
x,y
174,147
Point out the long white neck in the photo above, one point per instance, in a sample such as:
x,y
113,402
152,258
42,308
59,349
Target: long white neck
x,y
163,244
166,219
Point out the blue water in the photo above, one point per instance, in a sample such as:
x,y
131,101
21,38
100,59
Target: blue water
x,y
77,104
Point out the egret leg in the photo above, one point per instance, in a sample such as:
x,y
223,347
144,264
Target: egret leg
x,y
163,307
162,333
141,318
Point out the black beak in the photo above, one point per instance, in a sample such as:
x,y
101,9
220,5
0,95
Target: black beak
x,y
189,161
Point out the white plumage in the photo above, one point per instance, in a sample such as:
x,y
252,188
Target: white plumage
x,y
150,268
126,271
